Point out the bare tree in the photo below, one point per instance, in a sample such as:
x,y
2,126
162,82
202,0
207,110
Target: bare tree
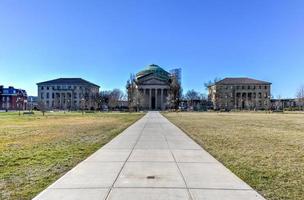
x,y
300,97
131,92
192,95
209,83
104,97
137,100
42,107
175,92
116,95
279,105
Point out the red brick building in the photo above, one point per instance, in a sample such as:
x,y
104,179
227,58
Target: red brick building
x,y
12,98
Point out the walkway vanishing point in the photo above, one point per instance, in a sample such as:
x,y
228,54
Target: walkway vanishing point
x,y
150,160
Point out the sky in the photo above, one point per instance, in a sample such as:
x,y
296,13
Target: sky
x,y
103,41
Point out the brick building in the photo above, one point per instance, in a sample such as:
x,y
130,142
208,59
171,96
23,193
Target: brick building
x,y
12,98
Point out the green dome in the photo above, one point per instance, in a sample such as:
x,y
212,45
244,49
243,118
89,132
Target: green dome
x,y
156,70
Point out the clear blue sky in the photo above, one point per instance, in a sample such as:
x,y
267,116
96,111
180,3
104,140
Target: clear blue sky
x,y
104,41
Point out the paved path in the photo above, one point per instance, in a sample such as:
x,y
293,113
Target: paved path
x,y
151,160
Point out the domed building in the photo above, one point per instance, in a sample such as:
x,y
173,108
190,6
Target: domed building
x,y
152,85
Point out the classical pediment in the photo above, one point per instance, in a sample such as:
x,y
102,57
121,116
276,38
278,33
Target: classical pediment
x,y
152,80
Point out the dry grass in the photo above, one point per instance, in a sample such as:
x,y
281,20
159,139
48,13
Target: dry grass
x,y
265,150
36,150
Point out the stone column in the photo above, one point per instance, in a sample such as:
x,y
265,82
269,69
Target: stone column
x,y
156,91
64,100
256,100
246,101
161,99
150,96
235,99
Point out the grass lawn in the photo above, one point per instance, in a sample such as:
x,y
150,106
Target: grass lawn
x,y
36,150
265,150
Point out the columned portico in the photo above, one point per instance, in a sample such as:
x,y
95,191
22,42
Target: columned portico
x,y
154,96
153,84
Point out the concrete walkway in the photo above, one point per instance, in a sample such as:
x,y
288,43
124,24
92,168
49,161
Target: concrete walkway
x,y
151,160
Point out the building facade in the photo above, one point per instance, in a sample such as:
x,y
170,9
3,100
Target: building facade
x,y
32,103
12,98
288,104
241,94
152,87
68,94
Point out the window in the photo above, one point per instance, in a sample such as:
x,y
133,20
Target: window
x,y
254,87
42,88
41,95
47,88
53,95
248,87
243,87
260,95
260,87
237,87
265,87
47,95
58,87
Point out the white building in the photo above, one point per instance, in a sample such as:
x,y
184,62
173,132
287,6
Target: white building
x,y
68,94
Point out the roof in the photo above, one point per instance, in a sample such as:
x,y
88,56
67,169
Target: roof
x,y
233,81
68,81
154,69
